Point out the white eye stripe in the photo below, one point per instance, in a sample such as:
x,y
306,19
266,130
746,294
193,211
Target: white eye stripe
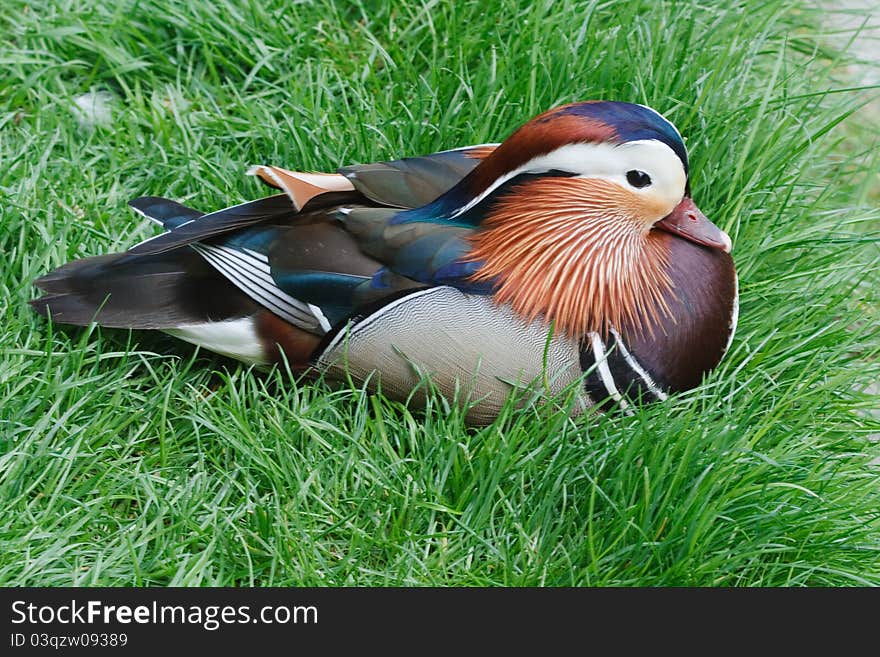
x,y
606,161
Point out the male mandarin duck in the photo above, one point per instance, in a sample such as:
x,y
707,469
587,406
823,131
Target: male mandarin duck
x,y
571,251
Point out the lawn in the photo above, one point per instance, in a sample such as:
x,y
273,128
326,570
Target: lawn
x,y
128,458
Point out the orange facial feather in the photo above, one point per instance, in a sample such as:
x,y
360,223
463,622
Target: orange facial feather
x,y
578,252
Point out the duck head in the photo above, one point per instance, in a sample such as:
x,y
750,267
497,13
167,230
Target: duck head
x,y
577,208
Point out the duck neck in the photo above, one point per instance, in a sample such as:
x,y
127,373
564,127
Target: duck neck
x,y
576,258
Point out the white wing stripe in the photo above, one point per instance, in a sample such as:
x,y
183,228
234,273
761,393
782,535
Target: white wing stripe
x,y
254,267
261,277
254,292
262,257
604,371
636,367
321,317
243,267
260,297
257,274
258,285
734,313
234,267
146,216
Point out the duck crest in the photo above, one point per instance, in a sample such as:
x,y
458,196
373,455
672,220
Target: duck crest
x,y
563,249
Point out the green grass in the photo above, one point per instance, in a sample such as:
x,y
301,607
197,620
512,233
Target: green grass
x,y
130,459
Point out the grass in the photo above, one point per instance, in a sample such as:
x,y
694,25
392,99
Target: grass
x,y
130,459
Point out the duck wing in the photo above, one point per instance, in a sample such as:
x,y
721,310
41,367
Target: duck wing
x,y
412,182
295,253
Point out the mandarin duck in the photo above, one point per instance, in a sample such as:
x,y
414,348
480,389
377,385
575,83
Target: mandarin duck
x,y
571,254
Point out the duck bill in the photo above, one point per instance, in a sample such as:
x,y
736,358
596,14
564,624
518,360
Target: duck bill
x,y
688,222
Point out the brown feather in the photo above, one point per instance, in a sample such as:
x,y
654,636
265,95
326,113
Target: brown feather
x,y
301,187
578,252
283,341
479,152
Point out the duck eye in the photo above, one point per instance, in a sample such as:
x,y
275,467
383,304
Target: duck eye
x,y
638,179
